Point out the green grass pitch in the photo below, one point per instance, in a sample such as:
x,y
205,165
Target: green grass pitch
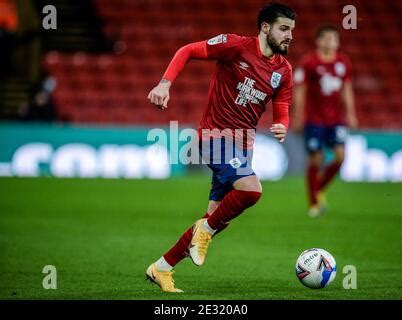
x,y
102,234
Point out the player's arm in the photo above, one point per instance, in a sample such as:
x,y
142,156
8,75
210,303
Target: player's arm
x,y
221,47
159,95
299,100
280,107
349,103
299,96
280,122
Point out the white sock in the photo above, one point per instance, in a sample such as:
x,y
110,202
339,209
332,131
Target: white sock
x,y
162,265
209,229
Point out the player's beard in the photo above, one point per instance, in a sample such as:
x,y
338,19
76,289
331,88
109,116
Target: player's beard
x,y
275,46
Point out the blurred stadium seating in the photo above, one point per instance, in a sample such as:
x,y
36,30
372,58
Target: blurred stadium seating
x,y
112,87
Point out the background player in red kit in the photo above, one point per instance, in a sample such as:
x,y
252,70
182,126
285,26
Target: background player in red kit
x,y
324,105
250,71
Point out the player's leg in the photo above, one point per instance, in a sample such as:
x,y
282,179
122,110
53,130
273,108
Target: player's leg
x,y
246,188
248,183
246,191
244,195
335,138
180,249
314,163
162,268
333,168
212,205
330,171
160,272
313,136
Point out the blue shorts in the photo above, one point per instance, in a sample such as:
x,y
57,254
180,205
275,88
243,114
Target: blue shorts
x,y
228,164
316,137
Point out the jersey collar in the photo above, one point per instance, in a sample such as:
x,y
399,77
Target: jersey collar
x,y
259,53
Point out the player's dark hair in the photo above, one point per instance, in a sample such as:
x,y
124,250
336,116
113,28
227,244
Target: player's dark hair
x,y
272,12
325,28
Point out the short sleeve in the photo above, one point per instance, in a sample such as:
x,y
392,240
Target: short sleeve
x,y
284,92
223,46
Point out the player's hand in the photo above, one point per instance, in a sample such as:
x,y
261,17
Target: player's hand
x,y
159,96
279,131
352,122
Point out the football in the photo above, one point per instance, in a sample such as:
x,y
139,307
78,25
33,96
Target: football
x,y
315,268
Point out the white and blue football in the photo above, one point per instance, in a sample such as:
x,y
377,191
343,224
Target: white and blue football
x,y
315,268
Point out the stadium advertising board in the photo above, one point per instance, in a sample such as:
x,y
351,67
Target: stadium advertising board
x,y
111,152
66,151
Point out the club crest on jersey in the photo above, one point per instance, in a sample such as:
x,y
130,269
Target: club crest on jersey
x,y
340,69
222,38
235,163
275,80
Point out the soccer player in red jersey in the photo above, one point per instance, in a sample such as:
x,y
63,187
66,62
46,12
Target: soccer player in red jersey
x,y
250,71
324,105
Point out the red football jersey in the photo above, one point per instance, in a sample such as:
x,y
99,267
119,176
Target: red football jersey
x,y
324,80
243,83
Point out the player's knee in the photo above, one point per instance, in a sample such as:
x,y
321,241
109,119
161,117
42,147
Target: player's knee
x,y
249,183
340,157
339,153
316,159
248,198
339,161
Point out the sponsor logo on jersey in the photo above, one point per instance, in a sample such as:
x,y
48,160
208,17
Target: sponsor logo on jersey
x,y
244,65
275,80
248,94
330,84
222,38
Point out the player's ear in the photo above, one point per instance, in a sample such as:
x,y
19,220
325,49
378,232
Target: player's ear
x,y
265,27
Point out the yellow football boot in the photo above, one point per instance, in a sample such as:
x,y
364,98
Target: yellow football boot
x,y
200,242
163,279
